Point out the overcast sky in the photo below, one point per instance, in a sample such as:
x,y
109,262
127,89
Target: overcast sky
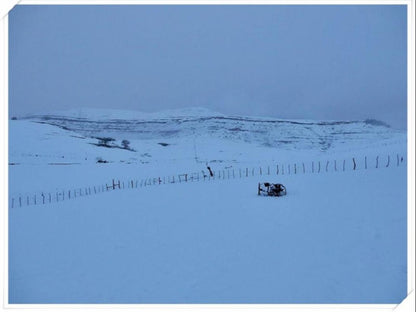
x,y
303,62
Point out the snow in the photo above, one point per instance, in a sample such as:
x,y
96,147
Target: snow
x,y
218,242
337,237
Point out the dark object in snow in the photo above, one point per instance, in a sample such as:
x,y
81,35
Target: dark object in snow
x,y
210,171
105,142
271,189
125,144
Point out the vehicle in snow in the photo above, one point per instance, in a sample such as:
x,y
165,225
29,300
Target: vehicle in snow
x,y
271,189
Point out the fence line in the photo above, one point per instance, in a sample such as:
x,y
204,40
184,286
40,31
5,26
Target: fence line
x,y
353,164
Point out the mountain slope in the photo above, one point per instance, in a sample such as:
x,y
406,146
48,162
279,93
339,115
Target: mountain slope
x,y
202,125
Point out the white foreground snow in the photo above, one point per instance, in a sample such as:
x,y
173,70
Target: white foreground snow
x,y
336,238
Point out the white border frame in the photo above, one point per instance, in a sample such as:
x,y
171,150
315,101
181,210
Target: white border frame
x,y
407,305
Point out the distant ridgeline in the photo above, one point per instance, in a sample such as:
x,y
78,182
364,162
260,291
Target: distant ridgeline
x,y
286,134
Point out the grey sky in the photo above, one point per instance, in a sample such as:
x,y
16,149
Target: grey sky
x,y
304,62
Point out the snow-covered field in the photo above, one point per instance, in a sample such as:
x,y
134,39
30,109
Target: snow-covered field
x,y
337,237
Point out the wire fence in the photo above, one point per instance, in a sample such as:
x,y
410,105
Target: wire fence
x,y
295,168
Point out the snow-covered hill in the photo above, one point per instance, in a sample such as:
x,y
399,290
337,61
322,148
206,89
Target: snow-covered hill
x,y
200,123
196,133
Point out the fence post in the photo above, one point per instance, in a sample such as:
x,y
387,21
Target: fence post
x,y
303,165
388,161
268,170
283,169
365,162
277,169
35,199
335,164
295,168
398,160
355,165
246,172
27,200
288,168
20,201
327,163
261,171
343,165
377,162
313,169
319,166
